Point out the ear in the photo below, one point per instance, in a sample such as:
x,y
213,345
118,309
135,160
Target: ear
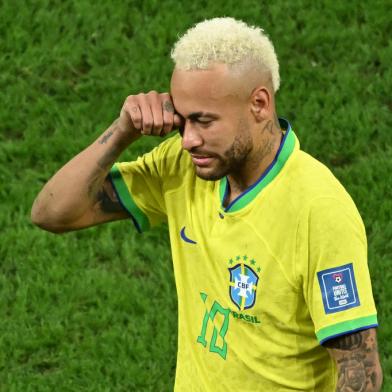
x,y
261,103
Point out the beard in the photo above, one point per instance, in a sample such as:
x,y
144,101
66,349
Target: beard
x,y
233,159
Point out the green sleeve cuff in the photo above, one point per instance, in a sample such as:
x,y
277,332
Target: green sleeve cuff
x,y
139,218
345,327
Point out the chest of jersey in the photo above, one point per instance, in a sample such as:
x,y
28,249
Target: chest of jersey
x,y
238,299
243,260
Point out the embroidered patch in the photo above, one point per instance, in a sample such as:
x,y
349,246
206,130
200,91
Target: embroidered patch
x,y
338,288
244,277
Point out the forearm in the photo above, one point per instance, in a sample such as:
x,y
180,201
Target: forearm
x,y
77,195
353,376
357,361
73,191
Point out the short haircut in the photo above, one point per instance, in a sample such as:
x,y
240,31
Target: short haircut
x,y
226,41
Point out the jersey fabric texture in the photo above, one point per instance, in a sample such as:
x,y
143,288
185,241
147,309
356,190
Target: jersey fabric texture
x,y
261,282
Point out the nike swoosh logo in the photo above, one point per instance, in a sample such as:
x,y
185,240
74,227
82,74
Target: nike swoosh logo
x,y
185,238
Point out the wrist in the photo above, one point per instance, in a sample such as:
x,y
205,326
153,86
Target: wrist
x,y
123,136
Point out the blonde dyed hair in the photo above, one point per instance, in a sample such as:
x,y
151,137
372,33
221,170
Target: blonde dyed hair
x,y
226,41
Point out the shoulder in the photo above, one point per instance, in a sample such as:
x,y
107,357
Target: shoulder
x,y
311,182
319,197
165,160
171,159
314,178
170,149
308,193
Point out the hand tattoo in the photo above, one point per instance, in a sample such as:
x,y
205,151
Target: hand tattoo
x,y
168,107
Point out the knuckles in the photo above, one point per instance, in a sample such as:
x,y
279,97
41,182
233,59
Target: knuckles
x,y
140,106
147,124
143,96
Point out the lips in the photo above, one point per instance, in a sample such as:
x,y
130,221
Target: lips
x,y
201,160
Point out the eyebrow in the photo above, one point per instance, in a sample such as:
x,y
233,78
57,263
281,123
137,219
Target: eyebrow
x,y
196,115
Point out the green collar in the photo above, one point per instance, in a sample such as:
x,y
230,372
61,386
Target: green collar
x,y
286,148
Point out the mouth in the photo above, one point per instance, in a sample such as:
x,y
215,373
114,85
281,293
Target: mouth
x,y
202,160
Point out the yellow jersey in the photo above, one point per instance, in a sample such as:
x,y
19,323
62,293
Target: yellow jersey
x,y
262,282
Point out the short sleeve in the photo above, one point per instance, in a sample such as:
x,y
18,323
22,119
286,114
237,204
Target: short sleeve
x,y
337,287
139,184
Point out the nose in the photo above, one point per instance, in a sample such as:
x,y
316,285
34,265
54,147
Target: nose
x,y
191,137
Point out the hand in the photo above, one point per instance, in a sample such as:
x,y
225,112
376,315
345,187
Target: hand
x,y
149,114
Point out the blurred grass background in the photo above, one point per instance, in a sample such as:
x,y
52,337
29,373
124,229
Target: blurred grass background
x,y
95,310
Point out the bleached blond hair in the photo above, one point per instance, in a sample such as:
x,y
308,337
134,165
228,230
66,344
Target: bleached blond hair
x,y
227,41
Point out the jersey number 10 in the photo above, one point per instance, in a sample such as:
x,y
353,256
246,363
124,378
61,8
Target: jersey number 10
x,y
218,331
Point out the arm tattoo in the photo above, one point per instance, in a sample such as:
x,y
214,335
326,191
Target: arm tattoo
x,y
106,137
108,201
356,357
107,204
104,197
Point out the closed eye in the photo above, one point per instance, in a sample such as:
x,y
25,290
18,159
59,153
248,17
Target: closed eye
x,y
202,122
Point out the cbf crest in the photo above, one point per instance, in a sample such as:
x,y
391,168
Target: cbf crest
x,y
243,282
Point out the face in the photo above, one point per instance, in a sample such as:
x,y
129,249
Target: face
x,y
217,131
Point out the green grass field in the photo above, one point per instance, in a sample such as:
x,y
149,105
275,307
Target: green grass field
x,y
95,310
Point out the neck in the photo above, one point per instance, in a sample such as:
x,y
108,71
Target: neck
x,y
257,163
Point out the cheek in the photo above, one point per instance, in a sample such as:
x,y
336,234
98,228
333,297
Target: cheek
x,y
224,130
222,141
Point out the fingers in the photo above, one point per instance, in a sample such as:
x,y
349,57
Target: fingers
x,y
151,113
168,113
146,113
136,115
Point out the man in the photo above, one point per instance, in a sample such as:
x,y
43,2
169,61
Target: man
x,y
269,251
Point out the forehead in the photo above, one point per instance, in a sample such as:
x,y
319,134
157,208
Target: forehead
x,y
203,90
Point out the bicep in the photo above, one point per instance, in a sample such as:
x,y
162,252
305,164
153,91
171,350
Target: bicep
x,y
357,359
